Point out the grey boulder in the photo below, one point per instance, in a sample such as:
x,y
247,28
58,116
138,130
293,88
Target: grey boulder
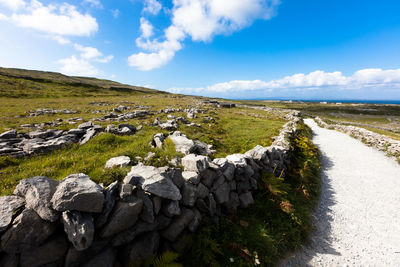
x,y
79,228
78,192
27,231
153,180
195,163
8,205
125,215
121,161
38,192
178,225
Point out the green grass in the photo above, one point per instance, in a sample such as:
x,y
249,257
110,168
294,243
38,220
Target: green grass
x,y
279,221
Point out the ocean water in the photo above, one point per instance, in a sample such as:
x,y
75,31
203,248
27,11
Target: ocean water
x,y
391,102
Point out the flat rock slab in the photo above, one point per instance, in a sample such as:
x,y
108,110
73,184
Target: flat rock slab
x,y
78,192
121,161
153,180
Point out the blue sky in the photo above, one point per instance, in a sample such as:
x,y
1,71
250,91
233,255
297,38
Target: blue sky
x,y
228,48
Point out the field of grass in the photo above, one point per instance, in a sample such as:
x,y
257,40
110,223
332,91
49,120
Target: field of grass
x,y
233,130
278,222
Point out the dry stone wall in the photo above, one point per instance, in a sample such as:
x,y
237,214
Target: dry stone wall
x,y
76,222
378,141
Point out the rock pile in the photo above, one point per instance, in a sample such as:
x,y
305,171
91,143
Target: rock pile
x,y
17,144
378,141
76,222
43,111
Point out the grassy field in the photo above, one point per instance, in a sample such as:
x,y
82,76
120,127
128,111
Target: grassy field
x,y
233,130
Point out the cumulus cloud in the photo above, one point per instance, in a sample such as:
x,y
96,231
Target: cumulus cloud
x,y
13,4
316,80
60,20
92,53
152,6
3,17
79,67
199,19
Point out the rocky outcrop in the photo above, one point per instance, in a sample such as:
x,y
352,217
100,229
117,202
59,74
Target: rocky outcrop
x,y
151,209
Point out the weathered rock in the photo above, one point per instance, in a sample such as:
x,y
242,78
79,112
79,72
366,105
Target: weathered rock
x,y
229,172
178,225
158,140
189,194
86,125
41,134
78,132
38,145
9,134
142,248
202,190
104,259
176,176
8,205
147,214
195,163
125,215
121,161
186,146
207,205
192,177
221,190
75,258
208,177
111,194
132,129
126,190
239,160
51,252
78,192
170,125
246,199
157,204
27,231
243,186
38,192
79,228
89,135
153,180
171,209
194,224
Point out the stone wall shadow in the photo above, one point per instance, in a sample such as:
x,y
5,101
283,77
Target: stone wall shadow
x,y
321,238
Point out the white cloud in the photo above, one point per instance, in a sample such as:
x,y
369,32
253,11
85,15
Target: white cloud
x,y
88,52
3,17
95,3
199,19
115,13
146,28
104,59
152,7
59,39
316,80
78,67
60,20
13,4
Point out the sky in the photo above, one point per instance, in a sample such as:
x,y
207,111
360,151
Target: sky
x,y
238,49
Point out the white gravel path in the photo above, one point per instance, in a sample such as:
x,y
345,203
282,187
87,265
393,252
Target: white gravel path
x,y
357,222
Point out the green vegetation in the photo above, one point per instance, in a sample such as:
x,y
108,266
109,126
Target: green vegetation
x,y
18,83
279,221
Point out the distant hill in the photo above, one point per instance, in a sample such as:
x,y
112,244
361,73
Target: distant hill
x,y
34,84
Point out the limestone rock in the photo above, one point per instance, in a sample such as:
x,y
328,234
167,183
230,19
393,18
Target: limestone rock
x,y
78,192
125,215
121,161
142,248
147,214
38,192
9,134
79,228
221,190
194,224
52,251
195,163
111,194
171,209
189,194
8,204
192,177
104,259
178,225
153,180
27,231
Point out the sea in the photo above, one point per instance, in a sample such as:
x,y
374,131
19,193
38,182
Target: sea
x,y
358,101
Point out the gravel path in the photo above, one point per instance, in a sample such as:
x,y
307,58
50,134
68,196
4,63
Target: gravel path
x,y
357,222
